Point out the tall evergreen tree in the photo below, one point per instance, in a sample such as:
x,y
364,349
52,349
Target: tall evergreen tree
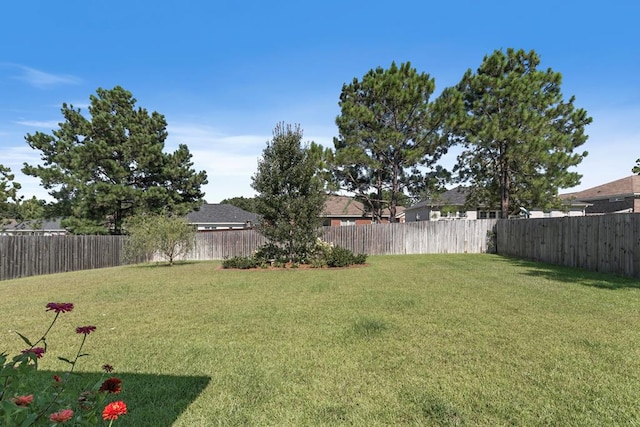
x,y
290,195
517,132
388,128
109,166
245,203
8,195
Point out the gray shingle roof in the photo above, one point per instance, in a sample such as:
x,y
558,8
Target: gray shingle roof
x,y
39,225
210,213
454,197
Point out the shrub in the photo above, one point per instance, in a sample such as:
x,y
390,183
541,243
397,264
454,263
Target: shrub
x,y
270,252
240,262
342,257
360,259
323,255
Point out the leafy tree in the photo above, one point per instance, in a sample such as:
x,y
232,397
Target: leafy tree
x,y
324,159
290,195
517,132
246,203
31,210
112,165
388,135
8,194
168,236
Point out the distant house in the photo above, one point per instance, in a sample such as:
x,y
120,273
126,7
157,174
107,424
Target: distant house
x,y
450,205
215,216
619,196
45,227
343,210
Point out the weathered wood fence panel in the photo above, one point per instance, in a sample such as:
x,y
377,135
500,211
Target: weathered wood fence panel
x,y
225,244
425,237
22,256
605,243
375,239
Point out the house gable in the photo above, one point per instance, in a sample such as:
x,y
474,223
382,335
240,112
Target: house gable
x,y
621,195
344,210
216,216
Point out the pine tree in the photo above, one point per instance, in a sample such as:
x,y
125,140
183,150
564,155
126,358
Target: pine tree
x,y
518,134
111,165
388,129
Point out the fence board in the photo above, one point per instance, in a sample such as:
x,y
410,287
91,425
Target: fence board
x,y
605,243
22,256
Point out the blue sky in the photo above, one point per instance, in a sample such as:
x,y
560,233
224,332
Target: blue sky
x,y
224,73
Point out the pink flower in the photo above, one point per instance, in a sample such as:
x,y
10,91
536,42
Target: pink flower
x,y
60,307
23,400
85,329
61,416
38,351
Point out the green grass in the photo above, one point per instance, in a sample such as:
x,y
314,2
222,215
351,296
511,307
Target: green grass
x,y
407,340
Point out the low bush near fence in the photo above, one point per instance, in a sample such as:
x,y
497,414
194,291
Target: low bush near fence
x,y
324,255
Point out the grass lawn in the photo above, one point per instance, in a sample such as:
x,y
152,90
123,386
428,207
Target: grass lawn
x,y
407,340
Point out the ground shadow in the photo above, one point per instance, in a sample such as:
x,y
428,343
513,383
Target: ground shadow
x,y
161,264
152,400
573,275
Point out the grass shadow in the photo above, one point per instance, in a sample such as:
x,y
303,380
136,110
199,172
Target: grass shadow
x,y
152,400
161,264
573,275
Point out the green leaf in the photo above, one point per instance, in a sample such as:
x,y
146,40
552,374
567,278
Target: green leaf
x,y
25,339
64,359
29,420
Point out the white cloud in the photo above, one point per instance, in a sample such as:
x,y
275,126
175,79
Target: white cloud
x,y
198,136
228,160
41,79
50,124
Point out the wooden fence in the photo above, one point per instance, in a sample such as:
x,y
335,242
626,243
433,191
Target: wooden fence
x,y
605,243
22,256
375,239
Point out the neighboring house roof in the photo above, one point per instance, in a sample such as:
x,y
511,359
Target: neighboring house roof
x,y
343,206
454,197
348,207
40,226
458,197
624,187
215,213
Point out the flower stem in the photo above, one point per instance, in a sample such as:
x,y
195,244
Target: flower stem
x,y
42,339
61,389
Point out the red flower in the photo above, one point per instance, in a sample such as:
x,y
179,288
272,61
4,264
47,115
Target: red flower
x,y
61,416
113,410
57,378
107,368
60,307
85,329
38,351
23,400
111,385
